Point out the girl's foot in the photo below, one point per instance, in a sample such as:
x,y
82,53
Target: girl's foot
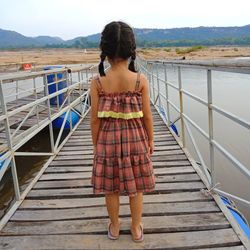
x,y
113,231
137,233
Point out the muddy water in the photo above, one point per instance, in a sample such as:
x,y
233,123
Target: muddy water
x,y
231,92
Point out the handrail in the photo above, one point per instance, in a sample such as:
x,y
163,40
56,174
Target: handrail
x,y
156,94
77,99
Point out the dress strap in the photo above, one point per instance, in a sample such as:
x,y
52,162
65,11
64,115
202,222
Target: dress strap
x,y
137,81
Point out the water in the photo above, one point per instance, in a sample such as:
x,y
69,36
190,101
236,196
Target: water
x,y
27,167
231,92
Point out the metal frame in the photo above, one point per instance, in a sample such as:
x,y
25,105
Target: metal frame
x,y
15,139
201,169
185,120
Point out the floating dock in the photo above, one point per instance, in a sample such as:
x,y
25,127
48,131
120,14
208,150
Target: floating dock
x,y
59,210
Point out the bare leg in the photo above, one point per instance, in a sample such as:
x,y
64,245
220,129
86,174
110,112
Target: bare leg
x,y
113,203
136,206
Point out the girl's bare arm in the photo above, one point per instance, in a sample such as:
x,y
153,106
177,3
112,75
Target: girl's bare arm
x,y
147,114
94,121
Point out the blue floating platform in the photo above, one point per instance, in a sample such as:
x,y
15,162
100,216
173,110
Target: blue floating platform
x,y
237,216
57,123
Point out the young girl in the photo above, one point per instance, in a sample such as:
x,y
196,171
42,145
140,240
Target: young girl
x,y
122,129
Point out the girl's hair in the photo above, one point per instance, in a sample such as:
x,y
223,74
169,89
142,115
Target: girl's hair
x,y
117,41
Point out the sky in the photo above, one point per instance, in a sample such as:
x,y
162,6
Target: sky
x,y
73,18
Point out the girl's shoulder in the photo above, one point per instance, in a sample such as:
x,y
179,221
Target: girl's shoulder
x,y
143,80
96,83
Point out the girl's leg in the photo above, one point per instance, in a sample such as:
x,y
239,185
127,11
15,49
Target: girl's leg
x,y
136,206
113,203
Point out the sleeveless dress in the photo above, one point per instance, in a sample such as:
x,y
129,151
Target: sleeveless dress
x,y
122,162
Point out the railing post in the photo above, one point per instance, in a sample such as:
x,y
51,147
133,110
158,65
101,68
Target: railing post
x,y
181,107
16,89
56,85
153,85
69,82
210,125
35,93
149,79
46,88
158,85
166,92
9,142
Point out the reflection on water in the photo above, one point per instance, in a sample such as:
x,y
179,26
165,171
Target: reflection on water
x,y
27,167
230,92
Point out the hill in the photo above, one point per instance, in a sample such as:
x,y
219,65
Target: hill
x,y
12,39
145,38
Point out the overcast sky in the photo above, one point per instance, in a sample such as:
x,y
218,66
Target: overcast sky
x,y
72,18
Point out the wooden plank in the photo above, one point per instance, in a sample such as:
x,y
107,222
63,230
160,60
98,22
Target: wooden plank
x,y
170,163
86,127
89,156
67,169
157,142
86,130
156,122
88,191
82,139
152,224
178,240
99,201
86,182
82,142
226,248
89,160
90,147
87,175
177,178
174,177
101,212
158,169
83,151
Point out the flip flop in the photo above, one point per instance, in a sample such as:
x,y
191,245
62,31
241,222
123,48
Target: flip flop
x,y
141,238
110,235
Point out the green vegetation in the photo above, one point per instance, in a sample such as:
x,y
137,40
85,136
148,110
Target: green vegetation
x,y
188,50
194,44
167,50
241,41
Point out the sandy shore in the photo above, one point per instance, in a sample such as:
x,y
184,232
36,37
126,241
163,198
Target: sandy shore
x,y
76,56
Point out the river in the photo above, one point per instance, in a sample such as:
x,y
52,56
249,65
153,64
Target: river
x,y
231,91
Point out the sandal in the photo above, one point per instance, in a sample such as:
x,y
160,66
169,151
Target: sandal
x,y
110,235
141,238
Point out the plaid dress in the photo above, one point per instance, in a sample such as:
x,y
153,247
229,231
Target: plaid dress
x,y
122,162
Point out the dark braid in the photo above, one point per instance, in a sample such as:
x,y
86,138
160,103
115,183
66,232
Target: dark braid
x,y
131,65
117,42
101,65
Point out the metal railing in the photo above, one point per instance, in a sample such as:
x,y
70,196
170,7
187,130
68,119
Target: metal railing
x,y
22,118
157,95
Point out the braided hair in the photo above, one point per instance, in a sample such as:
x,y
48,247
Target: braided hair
x,y
117,41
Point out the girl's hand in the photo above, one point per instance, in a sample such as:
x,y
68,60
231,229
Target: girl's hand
x,y
151,147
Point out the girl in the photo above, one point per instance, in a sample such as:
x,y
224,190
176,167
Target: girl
x,y
122,129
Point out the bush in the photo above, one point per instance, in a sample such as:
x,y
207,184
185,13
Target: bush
x,y
167,50
188,50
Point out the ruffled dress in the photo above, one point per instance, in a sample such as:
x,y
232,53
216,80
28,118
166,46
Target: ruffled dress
x,y
122,162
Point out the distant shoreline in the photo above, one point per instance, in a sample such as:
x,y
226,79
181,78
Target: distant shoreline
x,y
77,56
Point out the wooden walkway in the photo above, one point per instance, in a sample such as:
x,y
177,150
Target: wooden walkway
x,y
60,212
30,122
15,120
